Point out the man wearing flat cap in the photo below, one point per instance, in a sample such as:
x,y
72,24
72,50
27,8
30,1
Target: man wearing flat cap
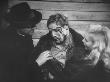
x,y
16,43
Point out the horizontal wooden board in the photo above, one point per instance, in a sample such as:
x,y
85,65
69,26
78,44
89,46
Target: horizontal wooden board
x,y
73,24
79,26
38,33
65,6
73,15
79,0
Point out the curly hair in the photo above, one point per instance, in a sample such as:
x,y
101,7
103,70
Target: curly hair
x,y
58,18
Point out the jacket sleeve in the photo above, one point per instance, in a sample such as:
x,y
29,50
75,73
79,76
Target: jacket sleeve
x,y
37,75
42,46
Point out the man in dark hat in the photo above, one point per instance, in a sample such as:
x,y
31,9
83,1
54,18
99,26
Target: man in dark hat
x,y
16,44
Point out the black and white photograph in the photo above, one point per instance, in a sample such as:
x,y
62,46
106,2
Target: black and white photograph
x,y
55,40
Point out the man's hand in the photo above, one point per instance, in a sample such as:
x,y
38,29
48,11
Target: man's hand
x,y
43,57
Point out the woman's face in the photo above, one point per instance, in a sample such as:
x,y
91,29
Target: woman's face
x,y
89,41
94,40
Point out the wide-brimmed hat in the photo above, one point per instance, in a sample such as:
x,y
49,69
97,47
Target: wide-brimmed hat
x,y
23,14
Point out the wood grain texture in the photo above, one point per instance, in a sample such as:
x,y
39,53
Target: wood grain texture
x,y
41,5
73,15
38,33
79,0
79,26
73,24
79,13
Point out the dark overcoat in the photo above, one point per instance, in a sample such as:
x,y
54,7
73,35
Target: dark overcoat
x,y
15,53
76,67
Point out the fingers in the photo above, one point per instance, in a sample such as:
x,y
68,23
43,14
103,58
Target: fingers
x,y
47,55
50,57
43,57
46,52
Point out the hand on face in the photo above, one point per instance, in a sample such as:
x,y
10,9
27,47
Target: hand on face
x,y
43,57
58,37
58,32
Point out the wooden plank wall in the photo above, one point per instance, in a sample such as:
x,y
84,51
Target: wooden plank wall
x,y
80,13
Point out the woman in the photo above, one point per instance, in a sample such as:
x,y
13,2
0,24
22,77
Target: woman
x,y
97,39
